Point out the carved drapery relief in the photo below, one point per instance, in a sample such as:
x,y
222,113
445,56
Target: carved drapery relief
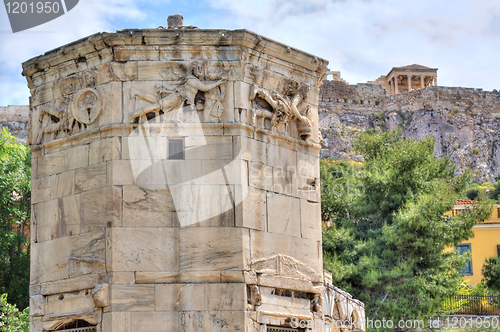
x,y
79,105
182,87
284,265
282,108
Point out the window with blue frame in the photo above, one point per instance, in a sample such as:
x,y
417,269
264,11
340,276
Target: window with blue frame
x,y
498,250
463,248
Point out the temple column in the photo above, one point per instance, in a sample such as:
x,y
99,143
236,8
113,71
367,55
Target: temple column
x,y
422,85
409,83
396,85
435,81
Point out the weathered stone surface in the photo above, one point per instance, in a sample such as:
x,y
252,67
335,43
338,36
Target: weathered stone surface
x,y
177,297
242,95
235,321
292,307
111,102
37,303
265,245
41,189
252,211
132,298
260,176
69,214
64,184
143,249
225,296
48,226
50,260
148,208
77,157
124,71
177,277
124,278
198,321
217,248
282,215
70,305
50,164
125,172
87,253
204,205
309,213
100,295
104,150
232,276
155,321
222,172
116,319
100,207
209,147
70,285
90,177
282,157
251,149
284,181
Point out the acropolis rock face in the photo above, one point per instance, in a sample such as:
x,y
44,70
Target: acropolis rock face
x,y
465,122
175,183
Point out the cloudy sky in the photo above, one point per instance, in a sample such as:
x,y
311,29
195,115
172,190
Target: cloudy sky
x,y
362,39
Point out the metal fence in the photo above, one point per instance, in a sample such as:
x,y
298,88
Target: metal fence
x,y
473,305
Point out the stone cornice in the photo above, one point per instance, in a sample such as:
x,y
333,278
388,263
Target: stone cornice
x,y
169,37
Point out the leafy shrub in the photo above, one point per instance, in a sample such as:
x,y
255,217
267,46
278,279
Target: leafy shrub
x,y
11,319
491,274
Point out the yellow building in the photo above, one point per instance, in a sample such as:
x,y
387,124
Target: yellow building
x,y
484,244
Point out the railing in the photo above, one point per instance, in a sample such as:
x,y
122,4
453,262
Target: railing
x,y
473,305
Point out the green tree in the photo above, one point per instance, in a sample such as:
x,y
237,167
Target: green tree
x,y
11,319
472,194
491,274
495,193
389,235
15,194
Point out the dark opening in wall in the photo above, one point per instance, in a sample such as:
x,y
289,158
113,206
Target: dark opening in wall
x,y
77,326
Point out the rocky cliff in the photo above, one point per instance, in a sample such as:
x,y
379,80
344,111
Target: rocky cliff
x,y
465,122
15,119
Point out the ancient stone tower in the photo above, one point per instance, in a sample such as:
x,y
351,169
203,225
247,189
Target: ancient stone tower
x,y
175,183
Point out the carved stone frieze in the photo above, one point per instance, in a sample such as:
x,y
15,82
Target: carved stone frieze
x,y
284,265
283,108
86,106
79,105
184,86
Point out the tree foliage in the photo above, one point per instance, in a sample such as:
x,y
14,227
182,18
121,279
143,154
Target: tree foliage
x,y
11,319
15,194
495,193
491,274
387,244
